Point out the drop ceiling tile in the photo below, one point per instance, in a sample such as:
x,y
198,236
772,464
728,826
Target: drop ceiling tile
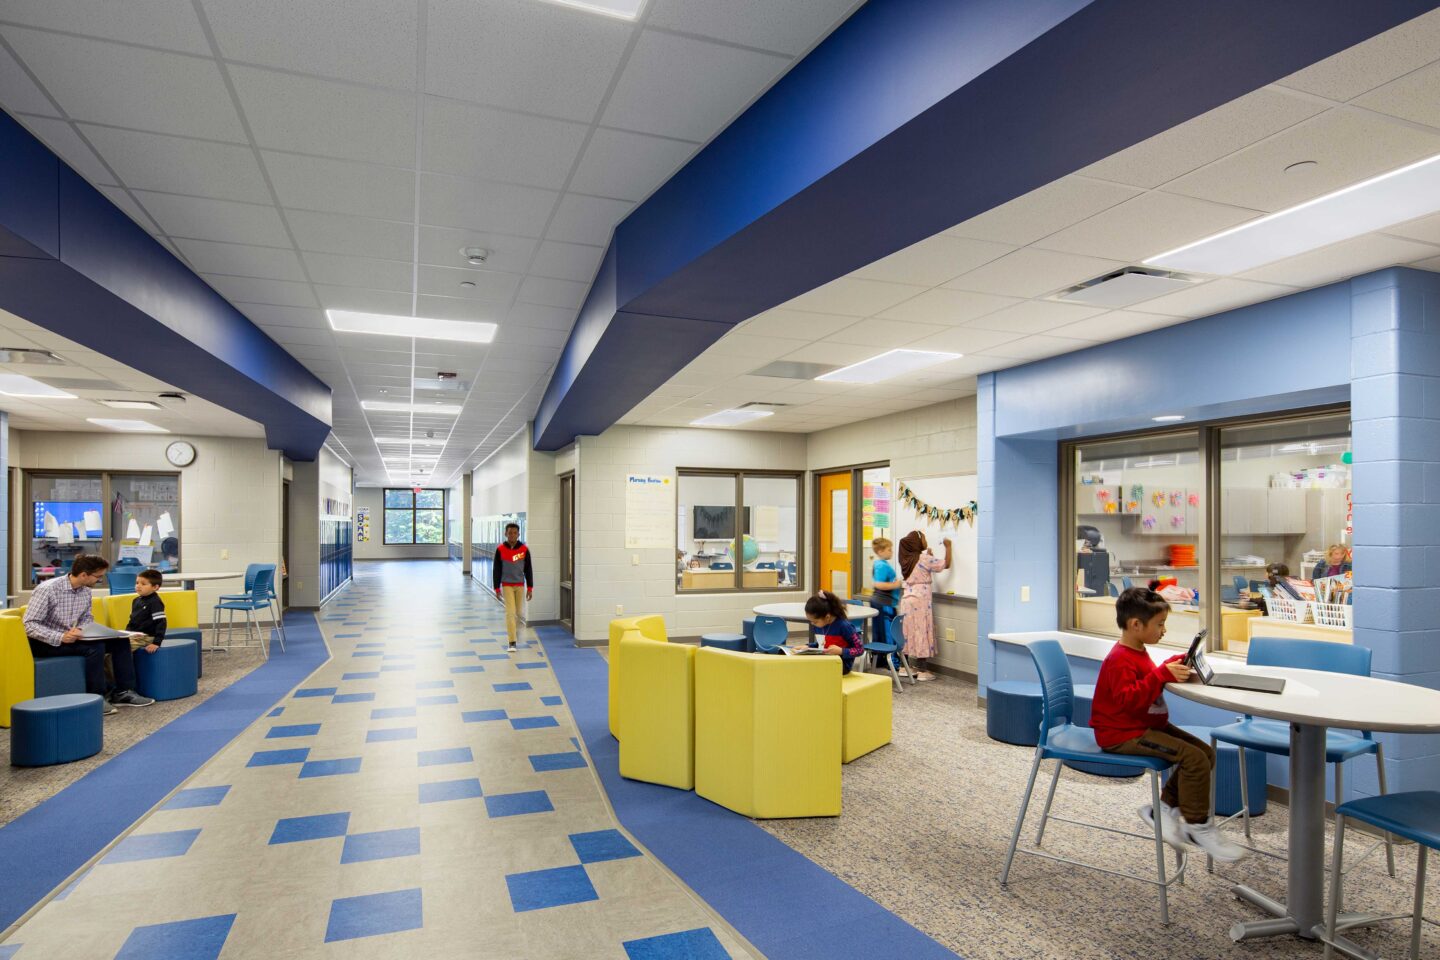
x,y
128,86
459,308
335,270
1415,96
540,317
628,166
1372,62
223,220
441,247
1215,296
1341,260
780,322
582,219
130,208
947,307
326,117
271,263
933,260
879,332
1426,229
790,27
18,93
537,57
339,186
1145,226
483,143
148,161
1033,316
517,335
279,293
1208,137
852,297
65,143
964,340
1115,325
490,285
758,349
352,236
823,352
372,41
1350,146
1032,272
388,302
268,316
566,294
1432,264
301,335
681,87
1043,211
1037,348
171,24
453,202
567,261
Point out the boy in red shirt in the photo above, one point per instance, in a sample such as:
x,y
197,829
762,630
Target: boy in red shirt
x,y
1129,716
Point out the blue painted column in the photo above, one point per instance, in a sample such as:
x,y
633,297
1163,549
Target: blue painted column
x,y
1395,412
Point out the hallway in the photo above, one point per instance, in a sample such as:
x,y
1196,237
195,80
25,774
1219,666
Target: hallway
x,y
422,794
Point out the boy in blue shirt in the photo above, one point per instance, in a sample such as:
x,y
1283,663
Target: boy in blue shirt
x,y
887,586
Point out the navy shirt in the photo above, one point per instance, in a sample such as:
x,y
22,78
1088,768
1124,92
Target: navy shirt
x,y
843,634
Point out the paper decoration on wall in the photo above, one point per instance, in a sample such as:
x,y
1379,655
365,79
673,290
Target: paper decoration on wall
x,y
1175,497
1148,521
147,535
1103,494
1194,499
52,526
165,526
362,525
65,534
92,522
1177,521
1112,508
1137,491
940,515
1158,498
132,530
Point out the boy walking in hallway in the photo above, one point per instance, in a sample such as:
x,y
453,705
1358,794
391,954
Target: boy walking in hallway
x,y
512,573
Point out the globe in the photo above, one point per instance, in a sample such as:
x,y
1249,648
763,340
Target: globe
x,y
749,549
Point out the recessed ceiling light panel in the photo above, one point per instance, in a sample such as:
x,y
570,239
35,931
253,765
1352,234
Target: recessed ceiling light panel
x,y
418,441
620,9
433,409
132,404
15,385
731,418
887,366
126,426
1169,418
423,328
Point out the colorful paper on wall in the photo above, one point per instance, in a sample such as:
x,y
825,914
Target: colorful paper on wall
x,y
65,534
92,522
165,526
649,511
132,530
147,535
52,526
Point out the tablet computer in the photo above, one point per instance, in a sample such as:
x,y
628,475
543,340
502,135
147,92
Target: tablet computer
x,y
1194,650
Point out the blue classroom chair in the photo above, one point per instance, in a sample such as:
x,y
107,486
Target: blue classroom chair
x,y
770,634
257,599
894,649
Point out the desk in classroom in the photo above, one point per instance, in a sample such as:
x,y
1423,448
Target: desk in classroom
x,y
1268,627
1097,615
720,579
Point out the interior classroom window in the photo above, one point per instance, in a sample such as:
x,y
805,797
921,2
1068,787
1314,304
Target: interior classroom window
x,y
414,517
145,520
738,530
130,519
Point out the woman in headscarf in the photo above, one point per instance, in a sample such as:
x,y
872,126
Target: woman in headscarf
x,y
917,567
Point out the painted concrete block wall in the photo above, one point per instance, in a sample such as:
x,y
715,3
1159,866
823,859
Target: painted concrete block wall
x,y
377,548
930,441
606,572
229,497
542,520
304,553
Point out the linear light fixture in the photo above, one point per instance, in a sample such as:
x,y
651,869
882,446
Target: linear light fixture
x,y
730,418
417,441
15,385
887,366
1391,198
1169,418
423,328
620,9
387,406
132,404
126,426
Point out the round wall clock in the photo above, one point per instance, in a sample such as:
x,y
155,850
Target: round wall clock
x,y
180,453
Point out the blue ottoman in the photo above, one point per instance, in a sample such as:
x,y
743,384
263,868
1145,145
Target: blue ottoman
x,y
58,729
725,641
1227,775
170,672
190,633
57,675
1012,712
747,627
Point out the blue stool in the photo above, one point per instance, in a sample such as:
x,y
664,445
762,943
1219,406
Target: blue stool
x,y
170,672
57,675
747,627
725,641
1012,712
1227,776
189,633
58,729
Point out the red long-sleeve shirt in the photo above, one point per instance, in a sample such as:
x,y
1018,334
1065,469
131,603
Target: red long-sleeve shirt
x,y
1129,696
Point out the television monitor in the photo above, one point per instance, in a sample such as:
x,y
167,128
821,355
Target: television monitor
x,y
717,523
64,511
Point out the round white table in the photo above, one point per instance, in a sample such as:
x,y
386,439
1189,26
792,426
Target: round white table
x,y
795,612
187,580
1311,702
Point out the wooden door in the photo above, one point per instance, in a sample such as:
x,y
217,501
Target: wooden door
x,y
836,529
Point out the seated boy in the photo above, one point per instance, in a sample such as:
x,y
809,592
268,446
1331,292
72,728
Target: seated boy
x,y
1129,716
147,612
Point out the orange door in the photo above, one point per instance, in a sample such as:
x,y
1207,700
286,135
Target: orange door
x,y
835,531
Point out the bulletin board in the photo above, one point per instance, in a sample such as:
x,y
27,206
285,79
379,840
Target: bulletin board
x,y
952,492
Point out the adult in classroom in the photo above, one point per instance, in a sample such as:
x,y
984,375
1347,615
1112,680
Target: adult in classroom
x,y
917,569
511,574
1335,563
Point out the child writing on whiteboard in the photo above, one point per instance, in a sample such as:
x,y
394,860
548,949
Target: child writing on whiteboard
x,y
917,569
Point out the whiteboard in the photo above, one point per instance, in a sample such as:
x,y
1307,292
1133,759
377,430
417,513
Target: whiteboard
x,y
947,493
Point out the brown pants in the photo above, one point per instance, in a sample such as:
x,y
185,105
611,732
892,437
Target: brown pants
x,y
1189,785
514,597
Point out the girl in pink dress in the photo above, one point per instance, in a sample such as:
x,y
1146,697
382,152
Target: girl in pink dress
x,y
917,568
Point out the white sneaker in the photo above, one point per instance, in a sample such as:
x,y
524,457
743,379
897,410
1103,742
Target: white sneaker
x,y
1172,830
1207,837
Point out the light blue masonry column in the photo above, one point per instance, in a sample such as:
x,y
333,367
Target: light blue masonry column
x,y
1395,409
985,528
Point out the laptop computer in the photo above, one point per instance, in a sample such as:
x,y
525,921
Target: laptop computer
x,y
1195,659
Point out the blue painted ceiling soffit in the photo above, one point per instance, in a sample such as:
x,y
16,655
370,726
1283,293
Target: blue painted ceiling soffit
x,y
911,117
71,262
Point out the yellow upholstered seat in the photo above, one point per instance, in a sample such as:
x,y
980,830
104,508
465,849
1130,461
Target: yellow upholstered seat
x,y
865,708
17,667
657,711
767,733
182,609
650,626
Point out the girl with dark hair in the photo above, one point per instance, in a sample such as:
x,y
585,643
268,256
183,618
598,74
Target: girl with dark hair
x,y
917,568
826,613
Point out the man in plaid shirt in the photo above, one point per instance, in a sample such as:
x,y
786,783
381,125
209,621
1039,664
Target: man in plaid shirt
x,y
54,620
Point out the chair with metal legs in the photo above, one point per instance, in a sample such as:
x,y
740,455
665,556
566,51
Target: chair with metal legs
x,y
258,599
1061,740
895,649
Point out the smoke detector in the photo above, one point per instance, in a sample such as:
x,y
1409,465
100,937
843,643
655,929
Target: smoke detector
x,y
173,397
1124,287
475,256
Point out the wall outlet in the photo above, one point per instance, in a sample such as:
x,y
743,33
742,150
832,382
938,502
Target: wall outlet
x,y
619,609
635,560
299,584
224,554
949,634
1024,594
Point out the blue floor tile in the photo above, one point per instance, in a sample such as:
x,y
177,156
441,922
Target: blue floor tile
x,y
200,939
479,716
315,692
700,944
352,698
533,723
435,700
492,656
515,804
152,846
512,687
472,669
601,845
393,733
293,730
317,827
386,713
271,758
539,889
552,701
347,636
197,797
435,758
371,675
276,712
434,684
373,914
367,653
381,845
542,762
537,665
329,768
449,790
370,645
460,653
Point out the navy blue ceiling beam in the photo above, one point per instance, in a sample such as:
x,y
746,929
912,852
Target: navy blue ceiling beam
x,y
913,116
72,263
